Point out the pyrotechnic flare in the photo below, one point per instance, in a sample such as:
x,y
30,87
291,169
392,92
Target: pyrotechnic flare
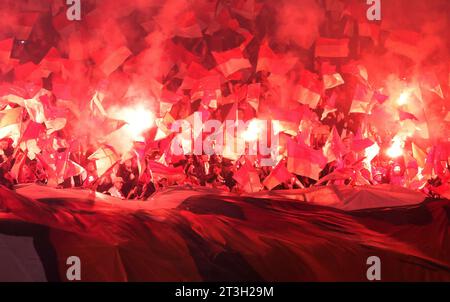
x,y
396,148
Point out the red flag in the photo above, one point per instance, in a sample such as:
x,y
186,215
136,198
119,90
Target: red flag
x,y
330,106
405,43
403,115
105,157
231,61
18,164
194,72
114,60
51,62
73,169
28,72
278,175
209,90
330,77
361,99
161,171
338,174
66,168
429,163
357,70
10,116
187,25
247,177
253,94
25,22
32,131
430,82
269,61
334,148
310,89
248,9
5,50
361,144
369,29
332,48
379,97
418,154
305,161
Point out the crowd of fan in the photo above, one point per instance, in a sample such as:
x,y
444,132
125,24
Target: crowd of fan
x,y
132,180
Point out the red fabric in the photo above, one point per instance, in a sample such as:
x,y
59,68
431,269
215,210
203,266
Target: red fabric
x,y
247,177
231,61
278,175
334,148
129,248
310,89
403,115
305,161
332,48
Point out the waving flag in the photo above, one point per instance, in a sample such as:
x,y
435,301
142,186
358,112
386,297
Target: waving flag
x,y
96,104
334,148
276,64
356,69
208,89
310,89
5,51
231,61
418,154
330,105
32,131
105,157
253,94
338,174
114,60
361,99
403,115
247,177
305,161
278,175
430,82
187,26
330,77
65,167
332,48
161,171
405,43
10,116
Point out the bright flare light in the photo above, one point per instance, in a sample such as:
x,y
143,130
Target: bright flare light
x,y
138,119
403,98
253,130
396,149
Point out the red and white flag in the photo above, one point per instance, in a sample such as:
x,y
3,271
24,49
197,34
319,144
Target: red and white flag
x,y
231,61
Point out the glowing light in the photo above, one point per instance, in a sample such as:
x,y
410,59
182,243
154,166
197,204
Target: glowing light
x,y
138,119
253,131
403,98
370,153
396,149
